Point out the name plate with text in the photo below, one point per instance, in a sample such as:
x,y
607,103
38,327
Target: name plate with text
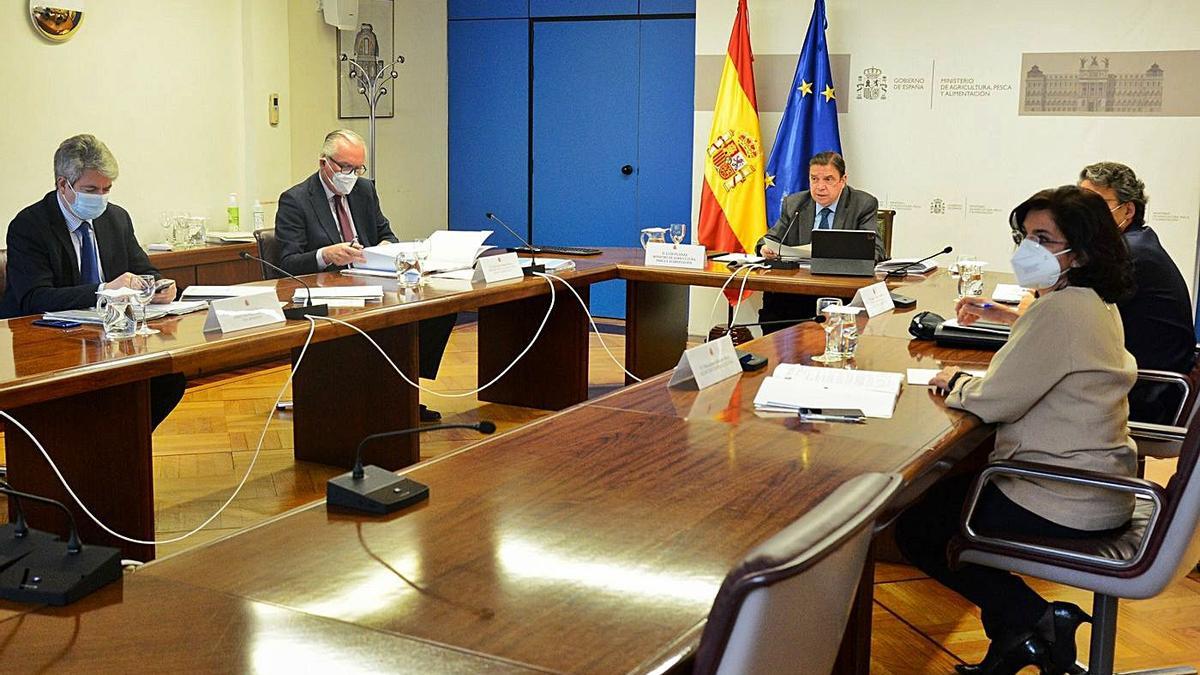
x,y
876,299
707,364
498,268
242,312
687,256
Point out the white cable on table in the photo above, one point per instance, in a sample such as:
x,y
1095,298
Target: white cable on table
x,y
442,394
257,450
732,276
591,319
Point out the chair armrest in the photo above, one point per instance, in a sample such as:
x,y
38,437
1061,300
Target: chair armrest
x,y
1157,432
1168,377
1137,486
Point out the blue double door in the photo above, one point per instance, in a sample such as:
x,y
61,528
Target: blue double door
x,y
577,131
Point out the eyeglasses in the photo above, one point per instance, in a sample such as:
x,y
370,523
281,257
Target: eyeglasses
x,y
1019,236
346,170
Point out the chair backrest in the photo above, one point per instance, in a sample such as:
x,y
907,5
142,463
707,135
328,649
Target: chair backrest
x,y
784,607
3,271
1175,548
883,229
268,249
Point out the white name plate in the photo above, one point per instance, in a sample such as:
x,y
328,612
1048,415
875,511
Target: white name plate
x,y
876,299
242,312
687,256
498,268
707,364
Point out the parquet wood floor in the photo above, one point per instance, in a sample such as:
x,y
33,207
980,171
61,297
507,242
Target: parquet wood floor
x,y
202,450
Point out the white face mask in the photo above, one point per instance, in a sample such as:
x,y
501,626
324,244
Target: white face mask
x,y
1035,266
342,183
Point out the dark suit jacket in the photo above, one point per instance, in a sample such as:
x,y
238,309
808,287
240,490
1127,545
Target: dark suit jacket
x,y
43,270
304,223
855,211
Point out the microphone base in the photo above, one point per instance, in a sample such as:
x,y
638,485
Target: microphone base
x,y
50,575
297,312
534,269
378,492
13,548
782,264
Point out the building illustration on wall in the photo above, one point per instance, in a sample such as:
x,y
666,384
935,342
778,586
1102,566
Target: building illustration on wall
x,y
1094,88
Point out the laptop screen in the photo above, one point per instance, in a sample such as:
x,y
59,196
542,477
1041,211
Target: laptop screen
x,y
845,244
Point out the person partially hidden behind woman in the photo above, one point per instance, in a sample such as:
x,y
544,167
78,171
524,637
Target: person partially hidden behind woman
x,y
1157,315
1057,392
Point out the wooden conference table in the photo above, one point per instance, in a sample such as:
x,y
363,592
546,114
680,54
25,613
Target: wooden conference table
x,y
592,540
87,399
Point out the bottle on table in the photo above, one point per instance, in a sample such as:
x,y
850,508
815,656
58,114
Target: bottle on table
x,y
232,213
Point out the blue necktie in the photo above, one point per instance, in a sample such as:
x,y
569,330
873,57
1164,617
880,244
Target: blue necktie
x,y
88,274
824,224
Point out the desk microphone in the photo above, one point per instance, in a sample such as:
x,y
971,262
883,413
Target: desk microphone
x,y
294,313
53,572
902,270
813,319
779,263
533,266
376,490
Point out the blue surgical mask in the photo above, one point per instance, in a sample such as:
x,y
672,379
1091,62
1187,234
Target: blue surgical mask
x,y
88,206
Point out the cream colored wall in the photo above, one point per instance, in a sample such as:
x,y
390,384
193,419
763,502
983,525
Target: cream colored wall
x,y
411,146
184,106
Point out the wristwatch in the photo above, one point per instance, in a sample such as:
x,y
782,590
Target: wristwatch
x,y
955,377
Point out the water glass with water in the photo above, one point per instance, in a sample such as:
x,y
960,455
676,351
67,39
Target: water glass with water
x,y
828,307
197,228
408,268
970,278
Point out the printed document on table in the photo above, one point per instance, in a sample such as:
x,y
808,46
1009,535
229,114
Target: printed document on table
x,y
448,250
340,292
920,377
799,253
217,292
793,386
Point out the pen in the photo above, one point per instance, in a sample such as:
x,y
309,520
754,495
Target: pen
x,y
816,417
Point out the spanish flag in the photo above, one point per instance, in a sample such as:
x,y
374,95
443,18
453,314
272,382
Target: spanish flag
x,y
733,212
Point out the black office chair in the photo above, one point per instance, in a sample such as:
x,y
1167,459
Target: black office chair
x,y
784,607
1161,544
268,249
883,230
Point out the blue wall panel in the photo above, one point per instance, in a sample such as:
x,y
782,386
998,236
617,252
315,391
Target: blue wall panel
x,y
487,9
582,7
665,122
585,90
488,72
667,7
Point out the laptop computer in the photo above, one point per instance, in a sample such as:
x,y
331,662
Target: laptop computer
x,y
845,252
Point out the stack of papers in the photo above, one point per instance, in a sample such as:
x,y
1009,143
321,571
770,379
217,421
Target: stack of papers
x,y
448,250
802,254
230,237
181,307
910,265
920,377
793,386
740,258
93,317
1009,294
552,264
333,295
218,292
980,327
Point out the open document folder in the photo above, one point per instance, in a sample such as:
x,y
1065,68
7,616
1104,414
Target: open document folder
x,y
793,386
801,254
448,250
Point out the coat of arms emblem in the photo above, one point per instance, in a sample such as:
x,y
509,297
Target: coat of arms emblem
x,y
731,154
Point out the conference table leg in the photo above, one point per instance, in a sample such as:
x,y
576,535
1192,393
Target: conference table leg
x,y
554,373
656,316
344,390
100,441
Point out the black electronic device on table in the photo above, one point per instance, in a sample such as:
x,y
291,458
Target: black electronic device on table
x,y
751,362
568,251
844,252
903,301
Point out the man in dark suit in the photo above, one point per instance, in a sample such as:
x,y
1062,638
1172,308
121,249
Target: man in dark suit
x,y
324,223
829,203
72,243
1158,316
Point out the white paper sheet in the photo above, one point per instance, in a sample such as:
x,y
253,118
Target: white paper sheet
x,y
920,377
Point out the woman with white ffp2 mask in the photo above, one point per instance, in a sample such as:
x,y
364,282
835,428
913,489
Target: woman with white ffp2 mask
x,y
1056,392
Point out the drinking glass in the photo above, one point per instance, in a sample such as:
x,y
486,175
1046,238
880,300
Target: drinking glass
x,y
970,278
179,229
168,226
408,268
958,261
145,294
422,247
678,231
833,330
197,227
848,344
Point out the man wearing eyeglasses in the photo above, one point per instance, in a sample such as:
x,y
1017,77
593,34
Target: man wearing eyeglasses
x,y
324,223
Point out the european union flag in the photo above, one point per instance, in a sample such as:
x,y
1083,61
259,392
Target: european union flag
x,y
810,123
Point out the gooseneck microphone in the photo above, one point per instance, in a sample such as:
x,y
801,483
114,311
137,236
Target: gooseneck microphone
x,y
902,271
46,570
533,251
779,263
374,489
790,322
294,313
